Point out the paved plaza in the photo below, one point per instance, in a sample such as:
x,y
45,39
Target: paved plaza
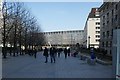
x,y
28,67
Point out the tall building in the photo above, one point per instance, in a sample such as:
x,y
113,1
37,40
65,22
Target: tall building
x,y
92,29
64,38
110,20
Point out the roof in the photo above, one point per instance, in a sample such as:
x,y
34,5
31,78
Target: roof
x,y
92,14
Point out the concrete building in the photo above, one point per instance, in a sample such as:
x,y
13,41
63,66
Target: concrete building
x,y
92,29
64,38
110,20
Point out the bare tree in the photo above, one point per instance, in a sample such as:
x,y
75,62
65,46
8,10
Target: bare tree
x,y
20,28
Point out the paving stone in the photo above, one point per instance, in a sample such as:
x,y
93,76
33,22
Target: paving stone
x,y
29,67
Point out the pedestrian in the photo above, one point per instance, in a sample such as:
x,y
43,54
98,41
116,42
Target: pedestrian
x,y
52,54
35,52
65,52
68,50
93,57
55,52
46,54
59,51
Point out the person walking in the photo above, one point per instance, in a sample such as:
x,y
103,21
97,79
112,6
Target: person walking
x,y
55,52
35,53
65,52
68,51
59,51
52,54
46,54
93,57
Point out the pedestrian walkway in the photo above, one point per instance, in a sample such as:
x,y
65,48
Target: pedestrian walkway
x,y
29,67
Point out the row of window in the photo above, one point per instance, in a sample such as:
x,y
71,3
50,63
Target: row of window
x,y
115,18
97,23
97,40
107,44
108,7
97,27
63,32
107,34
97,36
97,32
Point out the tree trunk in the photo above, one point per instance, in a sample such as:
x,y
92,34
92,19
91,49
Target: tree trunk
x,y
26,41
4,40
20,43
14,42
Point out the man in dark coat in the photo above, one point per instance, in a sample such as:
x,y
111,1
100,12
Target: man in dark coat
x,y
59,51
65,52
35,52
46,54
52,54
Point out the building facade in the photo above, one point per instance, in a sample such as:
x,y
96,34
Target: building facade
x,y
63,38
110,20
92,29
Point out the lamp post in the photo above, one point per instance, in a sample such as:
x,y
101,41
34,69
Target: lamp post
x,y
89,42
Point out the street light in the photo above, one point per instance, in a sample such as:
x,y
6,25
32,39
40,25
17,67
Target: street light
x,y
89,41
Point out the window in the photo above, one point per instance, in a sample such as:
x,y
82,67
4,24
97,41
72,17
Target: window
x,y
97,27
97,36
103,34
97,40
106,43
116,17
103,18
102,44
110,52
97,23
108,22
97,18
116,7
110,43
112,21
112,12
107,16
112,33
97,32
103,24
107,6
107,33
